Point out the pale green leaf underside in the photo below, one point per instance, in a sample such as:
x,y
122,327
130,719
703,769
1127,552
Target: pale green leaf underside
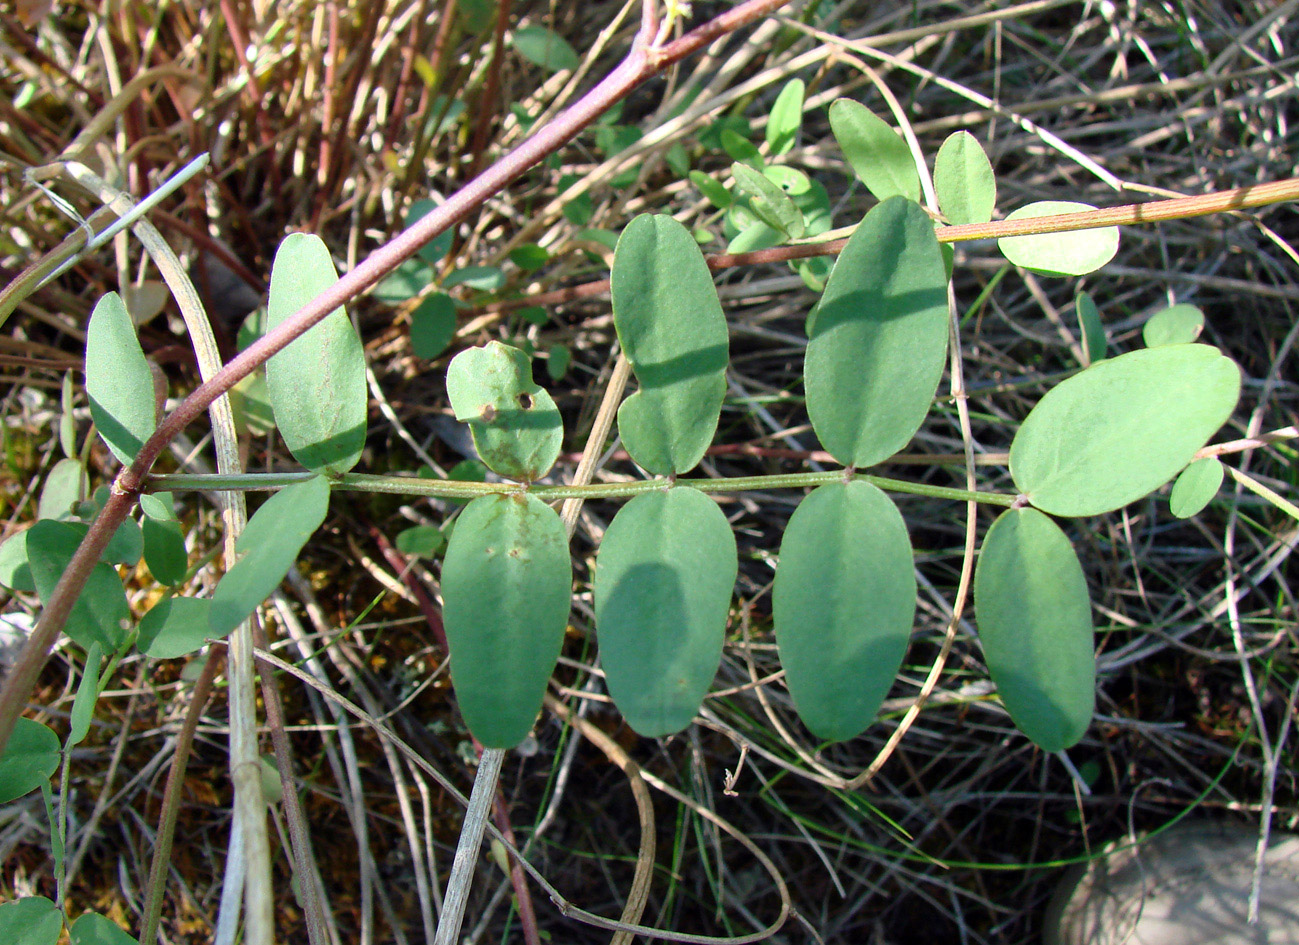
x,y
843,605
1035,625
963,180
1176,325
1122,428
672,329
118,380
506,583
1196,486
877,154
269,545
1074,253
663,584
878,344
516,426
317,384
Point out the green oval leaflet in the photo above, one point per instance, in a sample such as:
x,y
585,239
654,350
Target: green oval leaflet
x,y
1195,487
877,154
119,383
269,544
174,627
715,192
663,583
1093,332
545,48
878,343
100,613
785,118
1121,429
432,326
30,758
1074,253
1176,325
516,426
768,201
843,605
1035,625
90,928
671,327
32,920
506,582
66,485
963,180
317,384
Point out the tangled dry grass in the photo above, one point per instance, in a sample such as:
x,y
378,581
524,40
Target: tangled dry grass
x,y
333,116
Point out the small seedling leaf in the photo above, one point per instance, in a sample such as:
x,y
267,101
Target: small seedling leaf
x,y
769,201
754,237
174,627
269,544
558,359
786,118
118,380
529,256
32,920
83,706
716,192
516,425
1074,253
432,326
843,605
482,278
1176,325
878,344
30,757
663,583
740,148
101,611
91,928
317,384
878,155
546,49
963,180
506,583
1035,625
423,541
1121,429
1195,487
405,282
1093,332
435,250
671,327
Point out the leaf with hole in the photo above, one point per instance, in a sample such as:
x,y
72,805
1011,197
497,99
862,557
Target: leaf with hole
x,y
119,383
515,424
30,757
663,583
1195,487
878,344
432,326
174,627
963,180
1093,332
1121,429
545,48
671,327
32,920
506,582
1035,625
269,545
1074,253
843,605
317,384
100,613
785,118
1176,325
877,154
768,201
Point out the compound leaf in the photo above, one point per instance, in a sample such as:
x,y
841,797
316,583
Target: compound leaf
x,y
101,612
269,544
663,584
672,329
1121,429
506,583
118,380
29,759
843,604
1074,253
878,155
1176,325
878,343
1196,486
317,384
1035,624
516,426
963,180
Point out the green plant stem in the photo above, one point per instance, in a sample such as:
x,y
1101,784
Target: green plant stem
x,y
450,489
